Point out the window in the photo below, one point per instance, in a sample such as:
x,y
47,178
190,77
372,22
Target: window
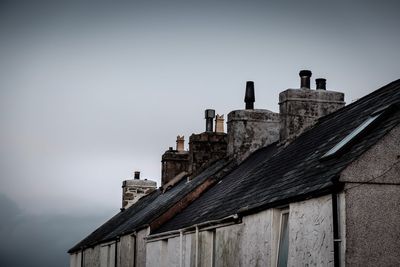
x,y
351,136
283,246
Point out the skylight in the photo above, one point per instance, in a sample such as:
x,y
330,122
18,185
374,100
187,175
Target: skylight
x,y
352,135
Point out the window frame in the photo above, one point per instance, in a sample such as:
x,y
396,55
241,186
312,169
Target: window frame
x,y
283,212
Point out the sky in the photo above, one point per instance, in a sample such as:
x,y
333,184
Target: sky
x,y
91,91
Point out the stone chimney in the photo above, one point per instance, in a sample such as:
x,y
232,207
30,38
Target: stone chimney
x,y
206,147
300,108
134,189
219,124
174,162
250,129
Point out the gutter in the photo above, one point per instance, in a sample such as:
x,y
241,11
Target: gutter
x,y
212,224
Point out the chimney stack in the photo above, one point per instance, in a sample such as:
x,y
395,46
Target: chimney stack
x,y
180,143
208,146
134,189
250,129
305,76
320,84
300,108
249,97
209,116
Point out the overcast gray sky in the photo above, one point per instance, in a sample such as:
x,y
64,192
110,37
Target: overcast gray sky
x,y
92,90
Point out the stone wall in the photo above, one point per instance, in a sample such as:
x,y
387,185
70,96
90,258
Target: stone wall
x,y
134,189
249,130
173,162
300,108
205,148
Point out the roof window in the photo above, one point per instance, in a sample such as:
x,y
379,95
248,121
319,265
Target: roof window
x,y
355,133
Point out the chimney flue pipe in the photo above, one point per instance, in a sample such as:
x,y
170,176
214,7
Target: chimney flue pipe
x,y
320,83
249,97
137,175
305,79
209,116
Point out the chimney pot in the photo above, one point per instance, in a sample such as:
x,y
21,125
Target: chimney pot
x,y
180,143
249,97
320,84
209,116
137,175
305,76
219,124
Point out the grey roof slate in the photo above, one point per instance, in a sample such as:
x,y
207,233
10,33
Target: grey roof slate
x,y
276,175
147,209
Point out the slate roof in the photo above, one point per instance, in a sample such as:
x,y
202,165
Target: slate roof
x,y
277,175
147,209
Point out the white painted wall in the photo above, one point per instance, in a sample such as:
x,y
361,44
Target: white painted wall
x,y
254,242
75,260
311,233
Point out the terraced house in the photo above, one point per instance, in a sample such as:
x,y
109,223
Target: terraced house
x,y
316,185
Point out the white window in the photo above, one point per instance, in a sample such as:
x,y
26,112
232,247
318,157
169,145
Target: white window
x,y
283,245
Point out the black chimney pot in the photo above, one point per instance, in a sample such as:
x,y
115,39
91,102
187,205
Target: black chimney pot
x,y
305,79
249,97
321,83
209,116
137,175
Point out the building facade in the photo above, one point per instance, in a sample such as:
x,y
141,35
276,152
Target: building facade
x,y
316,185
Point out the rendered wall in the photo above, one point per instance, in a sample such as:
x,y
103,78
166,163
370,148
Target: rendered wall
x,y
107,255
75,260
126,251
141,248
373,205
311,233
91,257
254,242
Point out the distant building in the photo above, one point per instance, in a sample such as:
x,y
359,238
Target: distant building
x,y
316,185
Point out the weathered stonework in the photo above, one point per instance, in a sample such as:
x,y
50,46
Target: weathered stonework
x,y
173,162
300,108
205,148
134,189
249,130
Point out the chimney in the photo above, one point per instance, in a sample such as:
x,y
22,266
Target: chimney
x,y
206,147
219,124
300,108
174,162
134,189
180,143
209,116
305,76
249,97
320,84
250,129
